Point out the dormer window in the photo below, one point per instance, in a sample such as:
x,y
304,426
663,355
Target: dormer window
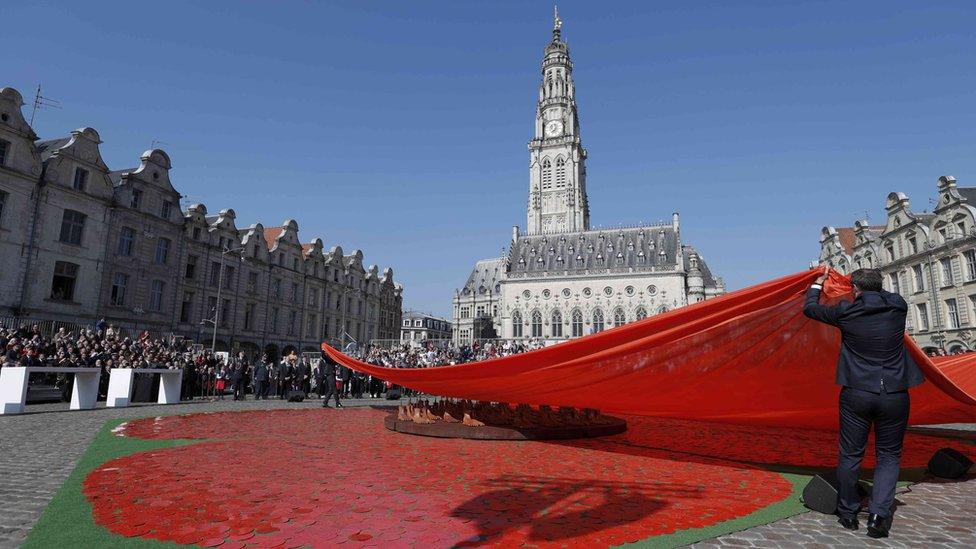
x,y
135,199
81,179
196,233
4,149
167,209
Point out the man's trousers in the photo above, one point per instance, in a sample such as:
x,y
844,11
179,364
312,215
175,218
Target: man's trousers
x,y
888,412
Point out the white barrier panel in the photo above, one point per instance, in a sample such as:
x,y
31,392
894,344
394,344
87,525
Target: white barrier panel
x,y
13,386
120,385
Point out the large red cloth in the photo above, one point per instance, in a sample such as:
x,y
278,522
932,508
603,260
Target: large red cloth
x,y
748,357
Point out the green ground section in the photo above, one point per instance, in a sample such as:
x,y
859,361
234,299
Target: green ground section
x,y
67,521
786,507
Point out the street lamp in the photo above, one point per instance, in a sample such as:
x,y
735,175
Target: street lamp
x,y
220,283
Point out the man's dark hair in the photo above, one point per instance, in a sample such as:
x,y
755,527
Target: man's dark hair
x,y
867,280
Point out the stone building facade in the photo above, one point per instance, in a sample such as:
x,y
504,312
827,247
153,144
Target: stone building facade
x,y
418,327
562,278
929,258
80,242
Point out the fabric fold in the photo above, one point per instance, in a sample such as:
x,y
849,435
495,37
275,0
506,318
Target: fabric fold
x,y
748,357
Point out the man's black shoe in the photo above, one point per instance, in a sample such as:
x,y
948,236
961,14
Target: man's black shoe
x,y
849,523
324,405
339,405
878,526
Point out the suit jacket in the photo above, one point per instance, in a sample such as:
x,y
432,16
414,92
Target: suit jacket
x,y
284,371
872,351
261,372
344,373
328,367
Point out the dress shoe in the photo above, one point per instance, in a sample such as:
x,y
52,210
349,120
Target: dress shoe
x,y
878,526
339,405
849,523
326,406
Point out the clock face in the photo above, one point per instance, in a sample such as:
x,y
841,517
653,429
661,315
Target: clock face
x,y
554,128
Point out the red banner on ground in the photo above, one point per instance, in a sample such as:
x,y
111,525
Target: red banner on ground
x,y
748,357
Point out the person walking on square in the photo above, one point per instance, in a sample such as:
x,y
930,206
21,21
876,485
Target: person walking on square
x,y
875,372
329,375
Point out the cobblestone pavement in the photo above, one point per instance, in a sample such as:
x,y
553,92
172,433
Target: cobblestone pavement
x,y
38,451
934,513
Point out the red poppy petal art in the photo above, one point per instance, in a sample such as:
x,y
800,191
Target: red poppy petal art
x,y
311,478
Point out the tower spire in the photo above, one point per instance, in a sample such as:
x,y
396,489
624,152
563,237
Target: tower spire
x,y
557,23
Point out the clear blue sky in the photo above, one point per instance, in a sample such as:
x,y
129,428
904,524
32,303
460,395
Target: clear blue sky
x,y
400,128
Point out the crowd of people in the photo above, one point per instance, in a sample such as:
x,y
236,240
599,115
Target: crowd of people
x,y
218,376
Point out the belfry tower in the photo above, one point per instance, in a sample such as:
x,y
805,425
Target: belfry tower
x,y
557,160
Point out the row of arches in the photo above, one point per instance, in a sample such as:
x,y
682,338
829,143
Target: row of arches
x,y
598,321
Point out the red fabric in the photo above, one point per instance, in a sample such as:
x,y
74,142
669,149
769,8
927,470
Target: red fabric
x,y
748,357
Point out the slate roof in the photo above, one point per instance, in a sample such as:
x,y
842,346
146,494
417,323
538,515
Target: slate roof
x,y
48,147
635,247
707,276
116,175
485,276
969,193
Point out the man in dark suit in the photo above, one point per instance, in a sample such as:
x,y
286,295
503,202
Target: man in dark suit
x,y
261,378
318,373
875,373
345,380
329,373
284,378
299,376
239,377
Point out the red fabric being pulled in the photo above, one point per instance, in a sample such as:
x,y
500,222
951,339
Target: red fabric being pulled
x,y
748,357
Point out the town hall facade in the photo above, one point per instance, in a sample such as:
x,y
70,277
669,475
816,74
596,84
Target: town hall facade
x,y
561,278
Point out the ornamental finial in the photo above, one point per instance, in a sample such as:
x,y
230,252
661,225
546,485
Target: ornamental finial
x,y
557,22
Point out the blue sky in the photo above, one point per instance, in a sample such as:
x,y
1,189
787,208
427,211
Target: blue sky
x,y
400,128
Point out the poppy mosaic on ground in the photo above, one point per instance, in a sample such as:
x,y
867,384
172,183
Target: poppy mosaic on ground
x,y
309,478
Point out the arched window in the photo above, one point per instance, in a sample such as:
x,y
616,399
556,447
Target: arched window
x,y
597,321
560,173
557,324
536,324
516,324
619,318
577,323
640,313
546,175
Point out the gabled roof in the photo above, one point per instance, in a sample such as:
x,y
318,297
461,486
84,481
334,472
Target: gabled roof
x,y
271,235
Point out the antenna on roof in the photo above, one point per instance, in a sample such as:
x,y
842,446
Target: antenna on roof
x,y
41,102
155,142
